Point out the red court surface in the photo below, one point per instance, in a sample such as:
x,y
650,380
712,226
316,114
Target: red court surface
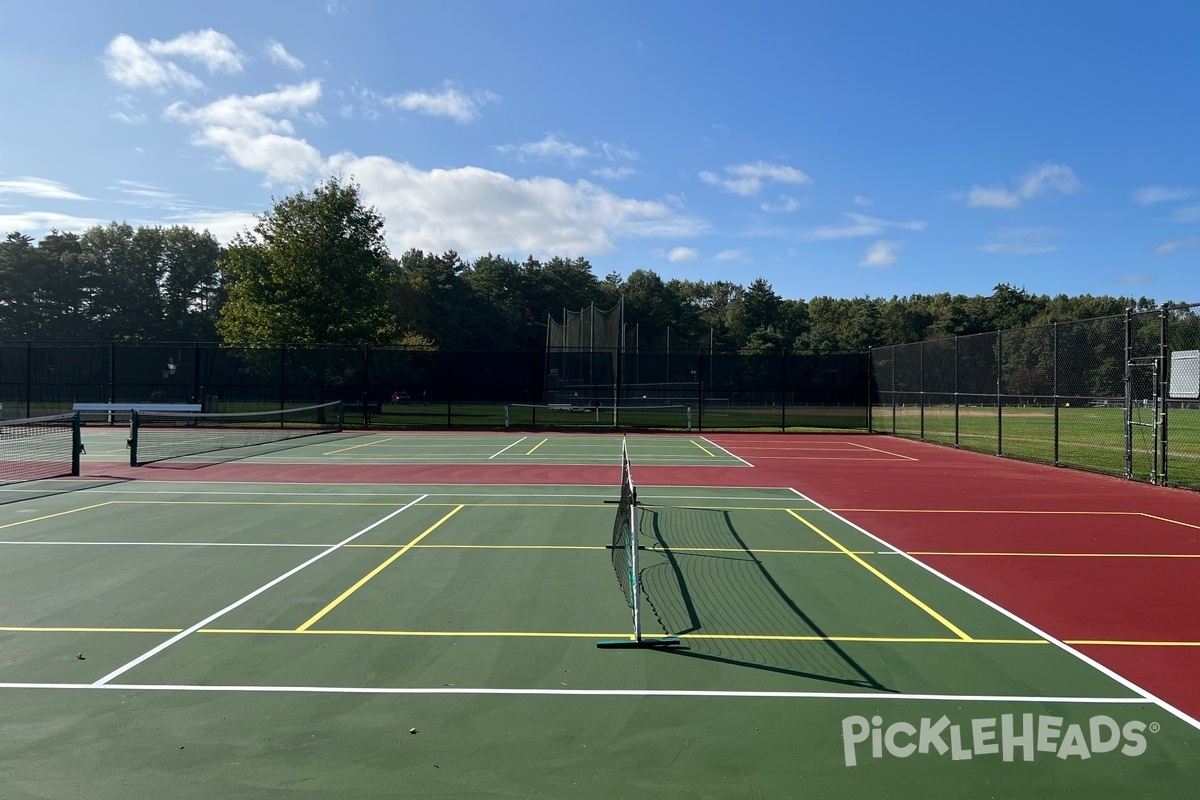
x,y
1109,566
1085,556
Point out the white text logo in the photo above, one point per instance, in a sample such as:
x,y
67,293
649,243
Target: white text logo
x,y
1009,736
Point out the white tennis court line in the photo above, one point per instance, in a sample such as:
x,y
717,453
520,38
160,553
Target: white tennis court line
x,y
1145,694
484,690
514,444
213,617
724,450
603,491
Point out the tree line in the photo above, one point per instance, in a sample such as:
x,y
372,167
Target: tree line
x,y
315,269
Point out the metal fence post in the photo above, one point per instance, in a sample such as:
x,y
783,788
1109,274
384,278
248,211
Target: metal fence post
x,y
921,388
782,390
1128,393
28,379
999,397
957,443
1163,390
282,375
1054,382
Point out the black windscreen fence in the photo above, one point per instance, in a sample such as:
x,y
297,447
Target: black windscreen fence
x,y
595,386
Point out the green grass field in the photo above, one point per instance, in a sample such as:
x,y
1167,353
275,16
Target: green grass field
x,y
1088,438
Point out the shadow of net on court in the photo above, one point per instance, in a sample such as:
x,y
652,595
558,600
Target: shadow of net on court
x,y
698,577
35,490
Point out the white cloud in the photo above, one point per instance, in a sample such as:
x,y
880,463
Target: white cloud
x,y
1188,214
145,190
881,254
859,200
1022,241
282,159
449,102
1039,180
617,152
468,209
212,49
224,225
678,255
748,179
250,131
475,211
130,64
1166,248
742,255
251,113
859,225
1149,195
614,173
992,197
785,204
279,55
39,187
551,148
128,119
36,223
150,65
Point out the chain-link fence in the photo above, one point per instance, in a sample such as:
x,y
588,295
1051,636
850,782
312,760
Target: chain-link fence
x,y
1119,395
589,387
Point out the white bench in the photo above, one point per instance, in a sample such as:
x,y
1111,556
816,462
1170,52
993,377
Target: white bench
x,y
111,410
130,407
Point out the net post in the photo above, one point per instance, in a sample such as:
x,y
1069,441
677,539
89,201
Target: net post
x,y
629,505
76,444
133,437
635,594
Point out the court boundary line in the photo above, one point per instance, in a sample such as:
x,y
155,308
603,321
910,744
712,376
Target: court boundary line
x,y
907,595
886,452
859,639
514,444
484,690
725,450
363,581
1120,679
237,603
589,635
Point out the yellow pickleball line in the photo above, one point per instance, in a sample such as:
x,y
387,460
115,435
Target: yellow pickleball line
x,y
536,446
705,449
316,617
56,514
904,592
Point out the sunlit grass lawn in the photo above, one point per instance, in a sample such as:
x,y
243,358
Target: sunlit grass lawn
x,y
1088,438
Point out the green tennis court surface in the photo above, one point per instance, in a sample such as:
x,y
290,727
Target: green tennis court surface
x,y
109,444
262,640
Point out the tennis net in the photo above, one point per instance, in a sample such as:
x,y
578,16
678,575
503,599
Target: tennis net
x,y
625,558
158,435
583,414
38,448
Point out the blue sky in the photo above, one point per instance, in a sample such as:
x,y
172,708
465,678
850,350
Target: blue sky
x,y
833,148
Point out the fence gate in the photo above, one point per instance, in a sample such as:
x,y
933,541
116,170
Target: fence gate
x,y
1145,419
